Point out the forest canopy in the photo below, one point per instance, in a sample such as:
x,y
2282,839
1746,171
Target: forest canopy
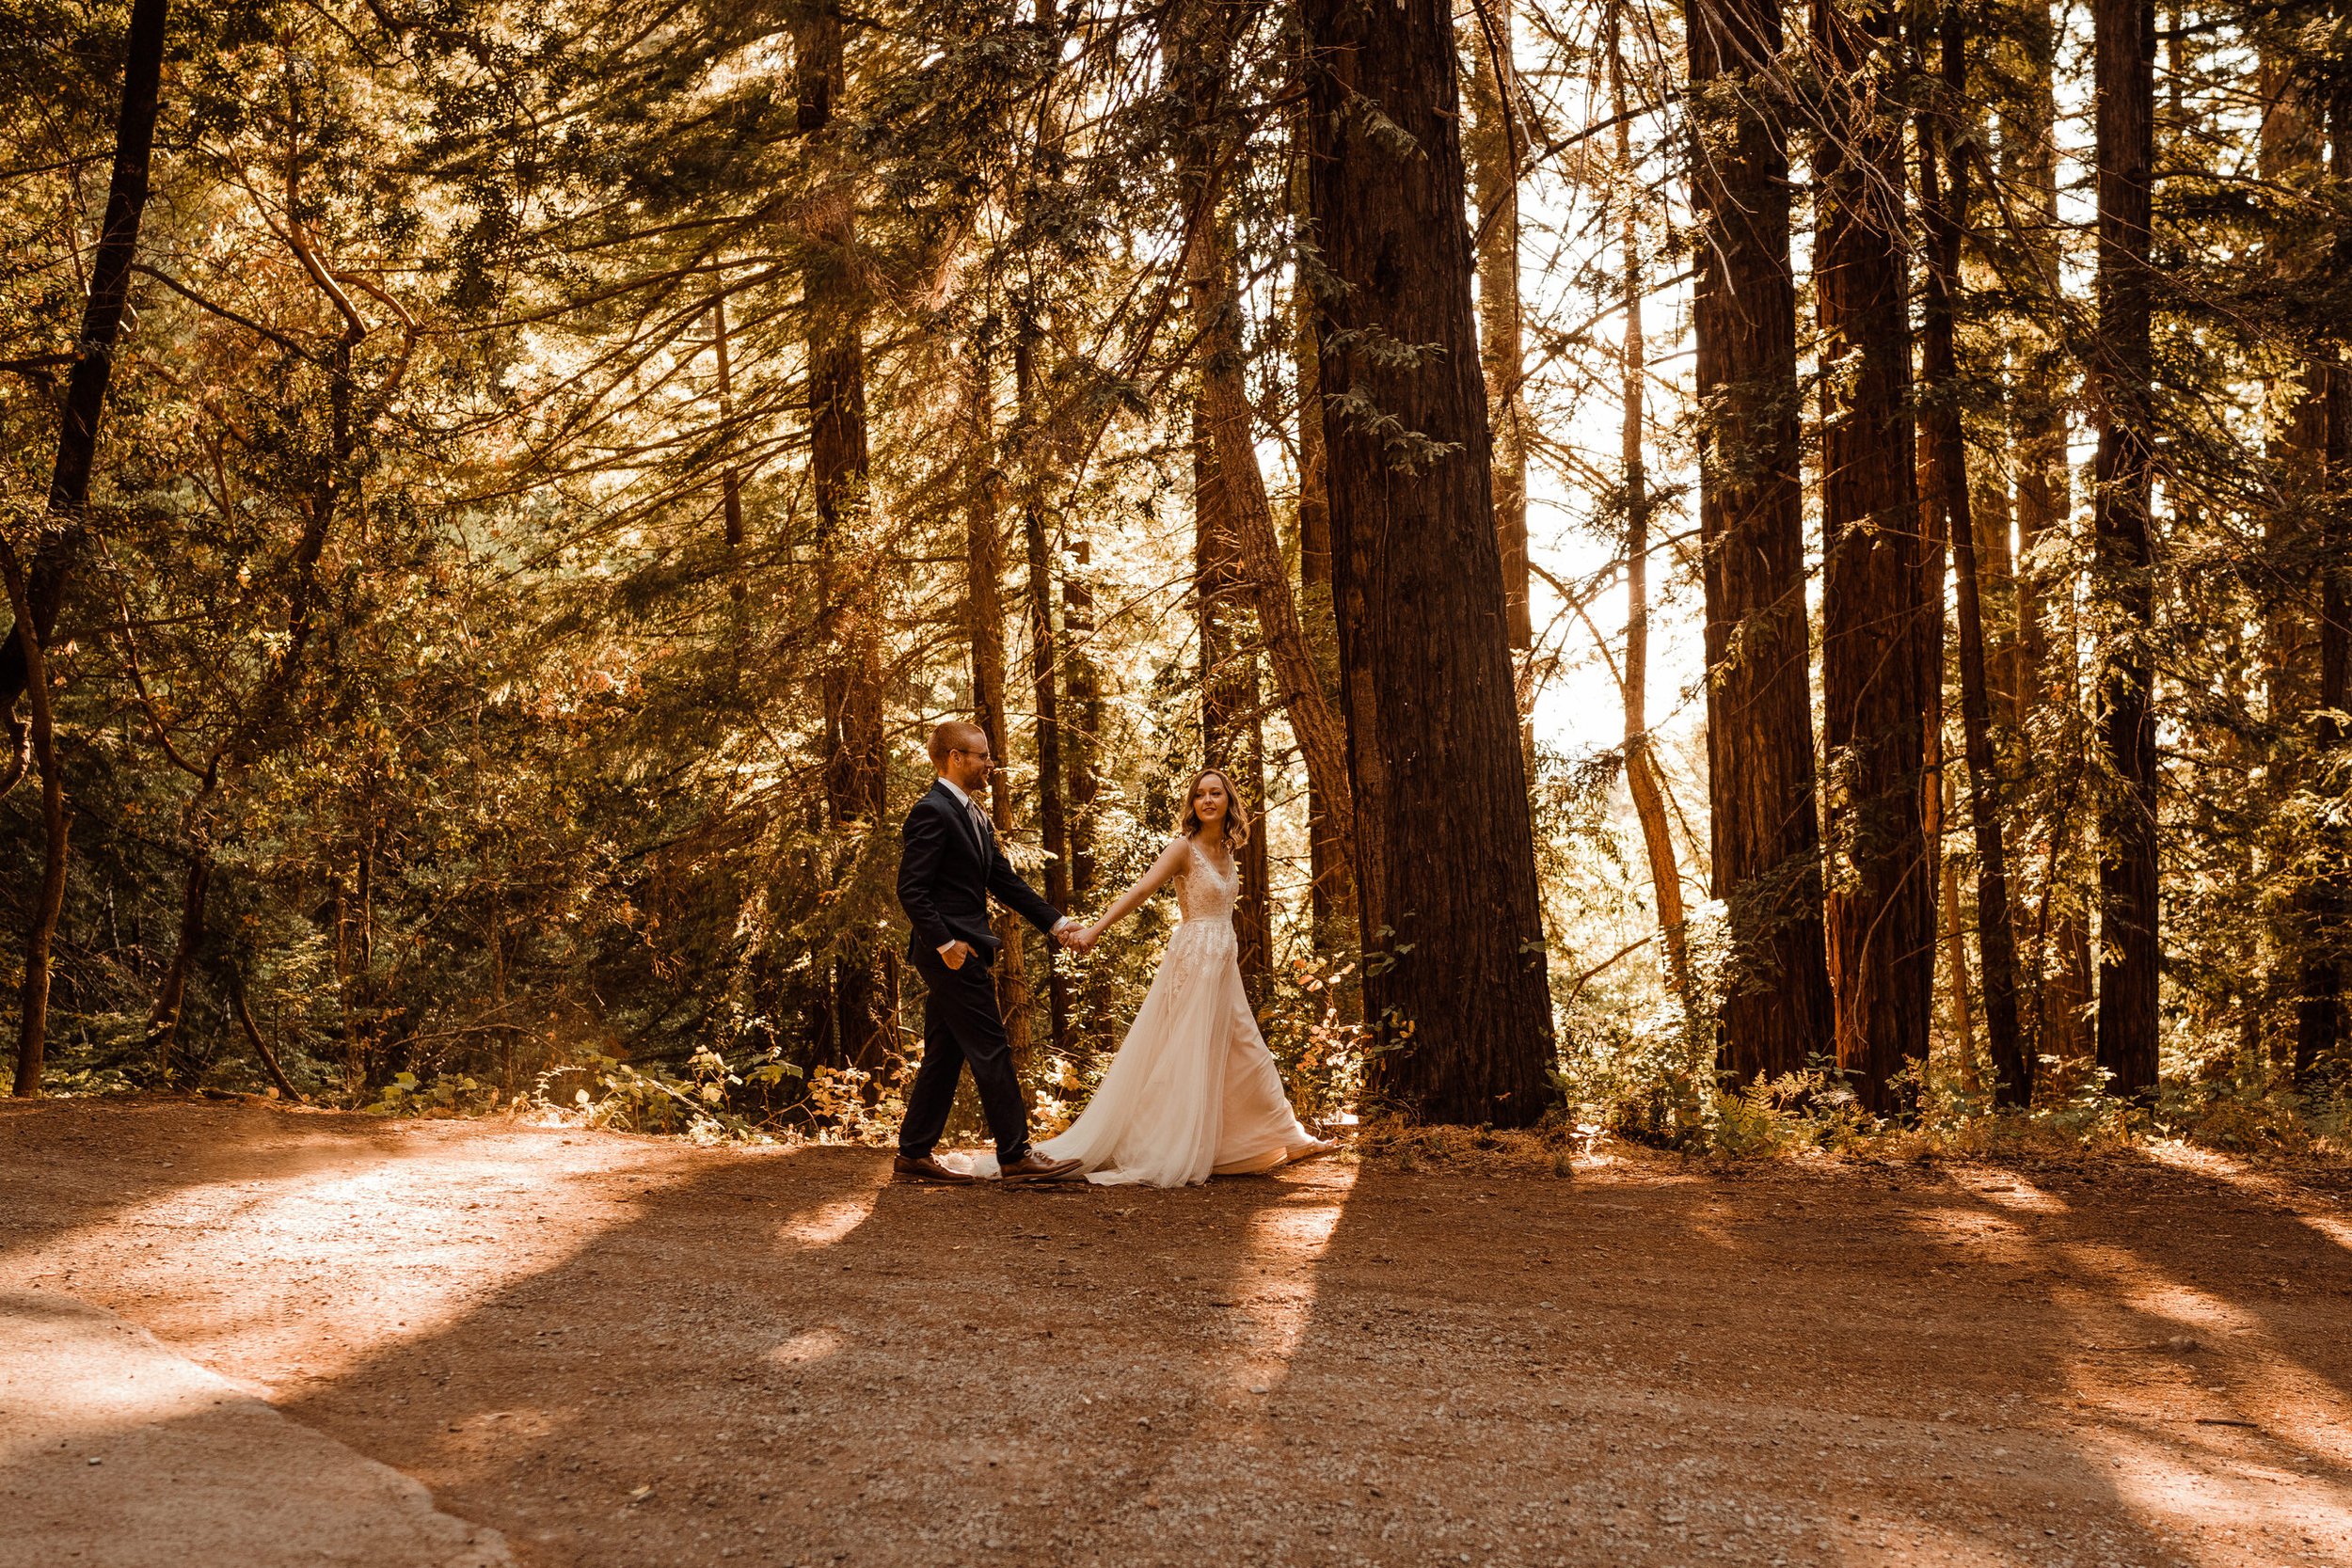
x,y
1762,570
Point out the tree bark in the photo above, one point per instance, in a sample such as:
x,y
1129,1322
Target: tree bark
x,y
2289,155
1331,894
1083,735
1955,937
1497,145
41,929
1201,44
1231,736
1641,764
1044,665
984,616
1455,984
2319,1014
1878,685
163,1022
1944,189
2122,366
253,1037
851,683
2059,968
1776,1010
102,322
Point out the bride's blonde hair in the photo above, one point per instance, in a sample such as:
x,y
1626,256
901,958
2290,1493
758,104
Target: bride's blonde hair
x,y
1236,819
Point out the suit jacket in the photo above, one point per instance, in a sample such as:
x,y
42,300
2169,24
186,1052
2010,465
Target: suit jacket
x,y
946,874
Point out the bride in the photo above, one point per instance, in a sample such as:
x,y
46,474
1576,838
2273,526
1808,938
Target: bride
x,y
1193,1092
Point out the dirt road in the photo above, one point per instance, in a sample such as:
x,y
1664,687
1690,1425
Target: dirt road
x,y
620,1352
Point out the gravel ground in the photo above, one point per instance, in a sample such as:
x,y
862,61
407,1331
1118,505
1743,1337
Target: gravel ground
x,y
619,1350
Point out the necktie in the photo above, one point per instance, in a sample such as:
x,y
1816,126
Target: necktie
x,y
979,822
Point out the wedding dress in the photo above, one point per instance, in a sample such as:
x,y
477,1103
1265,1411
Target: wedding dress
x,y
1193,1091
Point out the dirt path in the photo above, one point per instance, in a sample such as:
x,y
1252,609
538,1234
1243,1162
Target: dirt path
x,y
621,1351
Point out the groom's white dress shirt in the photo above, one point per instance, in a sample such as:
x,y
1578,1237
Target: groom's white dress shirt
x,y
985,831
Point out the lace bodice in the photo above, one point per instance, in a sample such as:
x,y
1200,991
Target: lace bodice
x,y
1202,892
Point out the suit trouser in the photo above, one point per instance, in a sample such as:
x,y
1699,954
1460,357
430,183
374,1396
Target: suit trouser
x,y
961,1027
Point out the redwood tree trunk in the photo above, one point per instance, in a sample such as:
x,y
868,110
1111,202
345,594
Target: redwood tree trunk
x,y
984,617
1878,688
1231,734
1945,199
1496,144
1455,982
32,1027
2319,1015
2122,364
1331,894
102,322
2059,968
1044,665
855,752
1641,764
1200,47
1766,833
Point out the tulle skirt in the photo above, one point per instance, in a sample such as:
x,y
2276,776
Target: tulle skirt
x,y
1193,1091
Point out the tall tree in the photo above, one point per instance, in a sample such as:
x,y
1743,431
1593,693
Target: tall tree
x,y
855,757
1943,197
2059,969
1878,683
1330,892
1496,144
1231,735
984,617
2319,1017
101,323
1044,663
37,589
2121,367
1444,847
1201,45
1641,762
1776,1010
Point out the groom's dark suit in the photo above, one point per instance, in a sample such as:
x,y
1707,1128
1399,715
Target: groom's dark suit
x,y
948,865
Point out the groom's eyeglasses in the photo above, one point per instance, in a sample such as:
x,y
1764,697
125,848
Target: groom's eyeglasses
x,y
977,757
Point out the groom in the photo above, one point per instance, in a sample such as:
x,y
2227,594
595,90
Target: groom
x,y
949,864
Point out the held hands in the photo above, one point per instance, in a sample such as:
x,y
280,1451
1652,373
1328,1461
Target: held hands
x,y
1076,938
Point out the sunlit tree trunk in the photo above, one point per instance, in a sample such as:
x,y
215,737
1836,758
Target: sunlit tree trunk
x,y
854,754
1878,687
2319,1018
1230,734
984,625
84,406
2122,365
1496,145
1200,50
1444,846
1944,198
1331,897
2288,155
40,928
1641,762
1082,736
1045,675
1765,831
2057,970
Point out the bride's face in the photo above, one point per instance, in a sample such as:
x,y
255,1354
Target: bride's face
x,y
1208,800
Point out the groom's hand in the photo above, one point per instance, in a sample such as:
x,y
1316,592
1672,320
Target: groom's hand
x,y
954,953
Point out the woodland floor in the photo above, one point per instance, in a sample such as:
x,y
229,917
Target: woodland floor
x,y
622,1352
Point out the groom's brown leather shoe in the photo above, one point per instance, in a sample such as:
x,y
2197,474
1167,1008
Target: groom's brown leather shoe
x,y
928,1169
1034,1167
